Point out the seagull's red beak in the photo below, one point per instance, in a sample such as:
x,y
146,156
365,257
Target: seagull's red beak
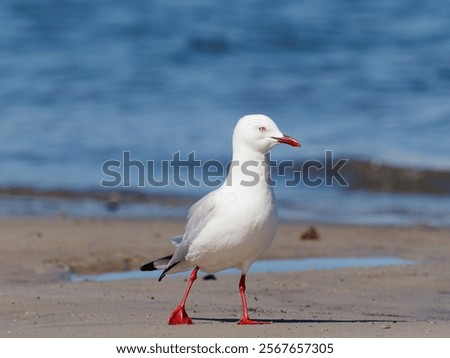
x,y
288,140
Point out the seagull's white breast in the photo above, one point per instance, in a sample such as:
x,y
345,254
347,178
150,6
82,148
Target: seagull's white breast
x,y
242,227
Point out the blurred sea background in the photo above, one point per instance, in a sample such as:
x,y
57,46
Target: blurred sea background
x,y
83,81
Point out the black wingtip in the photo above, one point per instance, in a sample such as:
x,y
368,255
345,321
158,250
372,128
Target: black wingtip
x,y
167,269
148,267
156,265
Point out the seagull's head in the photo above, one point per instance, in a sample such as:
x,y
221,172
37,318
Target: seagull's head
x,y
260,133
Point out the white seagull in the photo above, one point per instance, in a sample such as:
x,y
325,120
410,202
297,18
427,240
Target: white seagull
x,y
234,224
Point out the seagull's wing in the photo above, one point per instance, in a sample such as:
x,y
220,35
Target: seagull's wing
x,y
199,215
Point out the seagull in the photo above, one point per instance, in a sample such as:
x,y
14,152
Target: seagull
x,y
234,224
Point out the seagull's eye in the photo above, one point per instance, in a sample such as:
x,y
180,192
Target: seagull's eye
x,y
262,129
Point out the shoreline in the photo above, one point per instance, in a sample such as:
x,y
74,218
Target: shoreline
x,y
399,210
391,301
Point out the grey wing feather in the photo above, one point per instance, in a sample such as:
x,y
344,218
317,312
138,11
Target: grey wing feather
x,y
176,240
199,215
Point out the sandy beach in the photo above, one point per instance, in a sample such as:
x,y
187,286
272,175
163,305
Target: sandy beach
x,y
39,300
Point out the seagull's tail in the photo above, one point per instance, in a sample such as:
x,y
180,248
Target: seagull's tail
x,y
160,264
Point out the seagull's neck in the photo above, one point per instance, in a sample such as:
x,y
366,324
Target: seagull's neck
x,y
249,169
243,153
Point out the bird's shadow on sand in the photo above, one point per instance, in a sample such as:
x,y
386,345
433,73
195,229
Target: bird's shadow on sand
x,y
304,321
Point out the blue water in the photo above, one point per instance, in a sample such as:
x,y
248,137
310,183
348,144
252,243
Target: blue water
x,y
82,81
265,266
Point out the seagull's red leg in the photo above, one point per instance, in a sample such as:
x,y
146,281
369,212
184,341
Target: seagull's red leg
x,y
245,319
179,315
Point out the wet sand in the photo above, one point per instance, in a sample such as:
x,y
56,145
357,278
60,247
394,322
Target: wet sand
x,y
39,300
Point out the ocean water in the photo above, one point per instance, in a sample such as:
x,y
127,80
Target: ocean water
x,y
83,81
